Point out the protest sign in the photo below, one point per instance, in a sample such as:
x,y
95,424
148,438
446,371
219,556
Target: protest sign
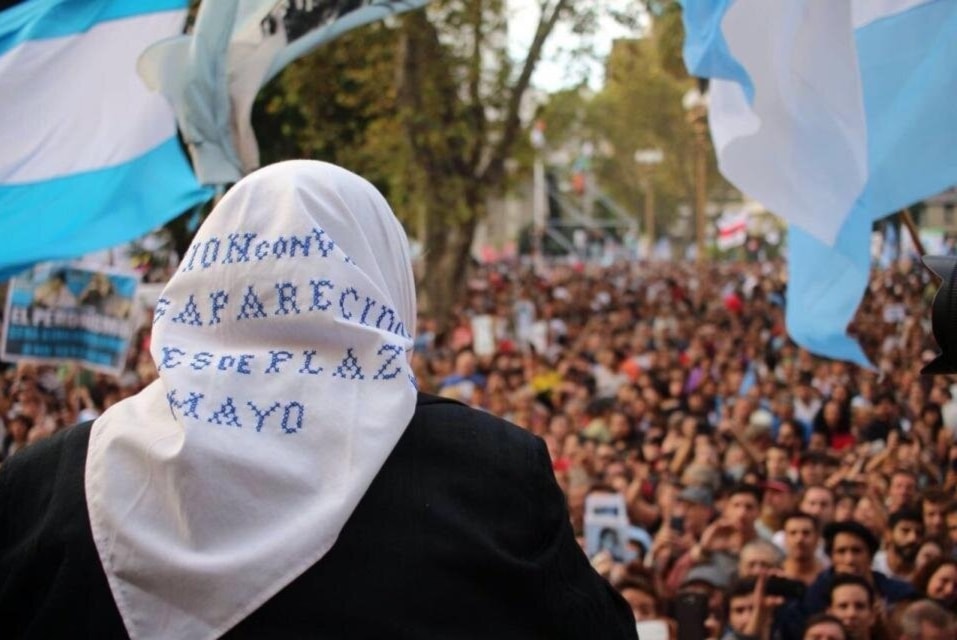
x,y
59,312
606,525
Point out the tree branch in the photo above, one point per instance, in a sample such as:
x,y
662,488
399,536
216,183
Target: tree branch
x,y
476,110
493,169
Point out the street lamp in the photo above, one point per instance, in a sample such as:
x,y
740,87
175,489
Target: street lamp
x,y
540,196
696,106
648,159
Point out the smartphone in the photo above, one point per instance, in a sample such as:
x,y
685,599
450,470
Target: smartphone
x,y
677,524
691,611
785,587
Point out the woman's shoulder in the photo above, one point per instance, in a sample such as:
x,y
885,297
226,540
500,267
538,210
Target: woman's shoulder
x,y
456,419
71,442
448,429
32,478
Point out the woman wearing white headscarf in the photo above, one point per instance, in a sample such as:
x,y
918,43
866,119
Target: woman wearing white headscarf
x,y
283,477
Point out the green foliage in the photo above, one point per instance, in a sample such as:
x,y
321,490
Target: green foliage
x,y
338,105
639,107
428,108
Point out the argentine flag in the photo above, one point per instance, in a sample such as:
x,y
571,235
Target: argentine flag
x,y
833,114
88,155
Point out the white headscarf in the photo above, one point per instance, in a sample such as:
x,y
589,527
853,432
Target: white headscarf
x,y
283,345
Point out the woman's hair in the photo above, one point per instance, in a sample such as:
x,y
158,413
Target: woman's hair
x,y
923,575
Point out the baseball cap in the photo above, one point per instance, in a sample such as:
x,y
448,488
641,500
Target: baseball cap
x,y
697,494
709,574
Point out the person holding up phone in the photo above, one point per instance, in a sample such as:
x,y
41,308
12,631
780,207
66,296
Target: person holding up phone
x,y
751,609
723,540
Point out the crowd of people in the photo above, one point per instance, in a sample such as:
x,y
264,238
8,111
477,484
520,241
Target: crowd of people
x,y
798,497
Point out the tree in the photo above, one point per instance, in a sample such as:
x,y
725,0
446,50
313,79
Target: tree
x,y
338,104
460,98
429,111
640,107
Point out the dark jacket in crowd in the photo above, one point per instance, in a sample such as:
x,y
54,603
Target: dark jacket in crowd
x,y
464,533
890,590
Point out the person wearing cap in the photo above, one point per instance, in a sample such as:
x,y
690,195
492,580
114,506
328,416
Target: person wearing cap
x,y
851,547
695,508
778,500
283,477
690,516
721,542
712,582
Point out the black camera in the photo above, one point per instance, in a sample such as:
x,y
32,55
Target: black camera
x,y
944,314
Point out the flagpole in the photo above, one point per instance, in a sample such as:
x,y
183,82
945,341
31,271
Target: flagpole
x,y
908,220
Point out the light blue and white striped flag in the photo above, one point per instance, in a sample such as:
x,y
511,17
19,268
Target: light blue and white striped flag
x,y
89,157
833,114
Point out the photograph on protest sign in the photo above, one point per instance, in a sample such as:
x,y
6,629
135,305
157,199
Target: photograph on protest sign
x,y
58,312
606,525
483,335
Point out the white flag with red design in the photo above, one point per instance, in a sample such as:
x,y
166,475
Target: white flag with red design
x,y
732,230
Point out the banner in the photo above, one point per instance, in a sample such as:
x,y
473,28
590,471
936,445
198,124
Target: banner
x,y
606,526
57,312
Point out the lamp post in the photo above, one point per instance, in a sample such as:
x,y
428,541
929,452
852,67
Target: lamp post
x,y
648,159
696,106
539,197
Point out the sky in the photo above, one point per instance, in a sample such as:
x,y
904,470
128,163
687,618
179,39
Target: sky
x,y
557,70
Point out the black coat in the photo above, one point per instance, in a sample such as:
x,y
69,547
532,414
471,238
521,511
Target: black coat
x,y
463,534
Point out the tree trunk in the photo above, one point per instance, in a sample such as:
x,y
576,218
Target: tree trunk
x,y
445,266
459,162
